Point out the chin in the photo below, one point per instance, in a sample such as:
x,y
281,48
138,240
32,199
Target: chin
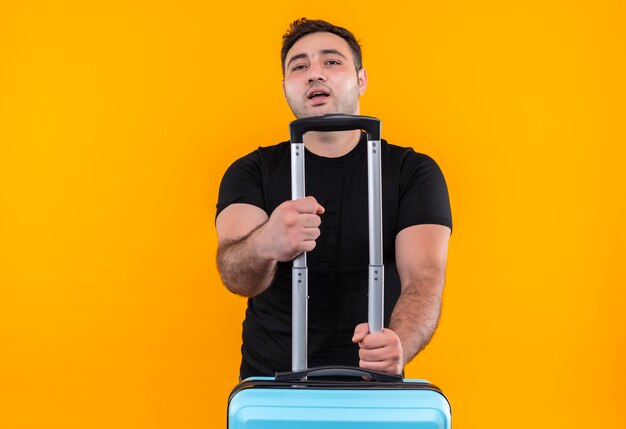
x,y
310,114
324,110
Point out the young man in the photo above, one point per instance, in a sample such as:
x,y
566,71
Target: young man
x,y
260,230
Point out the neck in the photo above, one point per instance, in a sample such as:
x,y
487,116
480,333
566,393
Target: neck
x,y
331,144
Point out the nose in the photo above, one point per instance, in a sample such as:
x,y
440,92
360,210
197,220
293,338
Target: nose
x,y
316,74
317,78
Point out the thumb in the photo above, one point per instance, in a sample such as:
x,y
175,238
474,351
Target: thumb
x,y
361,330
319,209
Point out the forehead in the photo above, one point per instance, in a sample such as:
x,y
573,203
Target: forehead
x,y
313,43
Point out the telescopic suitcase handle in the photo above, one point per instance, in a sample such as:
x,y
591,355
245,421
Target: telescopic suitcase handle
x,y
334,372
335,123
376,269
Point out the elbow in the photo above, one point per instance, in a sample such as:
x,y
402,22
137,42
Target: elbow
x,y
428,282
229,285
225,274
240,276
229,281
236,285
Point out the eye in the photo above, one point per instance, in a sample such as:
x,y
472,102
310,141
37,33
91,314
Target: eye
x,y
298,67
333,62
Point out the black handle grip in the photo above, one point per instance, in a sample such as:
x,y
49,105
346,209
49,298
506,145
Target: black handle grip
x,y
369,124
337,372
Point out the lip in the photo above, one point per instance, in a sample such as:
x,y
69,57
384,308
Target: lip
x,y
318,88
318,101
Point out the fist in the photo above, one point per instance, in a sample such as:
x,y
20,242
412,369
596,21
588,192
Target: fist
x,y
292,229
379,351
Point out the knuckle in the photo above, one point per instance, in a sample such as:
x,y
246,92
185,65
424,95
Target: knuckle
x,y
294,243
288,218
307,206
285,207
364,341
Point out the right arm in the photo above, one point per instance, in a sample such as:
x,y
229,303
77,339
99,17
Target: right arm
x,y
250,244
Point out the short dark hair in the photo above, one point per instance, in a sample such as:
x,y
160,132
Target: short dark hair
x,y
302,27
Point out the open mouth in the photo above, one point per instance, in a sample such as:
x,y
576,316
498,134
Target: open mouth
x,y
318,95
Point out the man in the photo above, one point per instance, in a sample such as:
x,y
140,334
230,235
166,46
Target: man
x,y
260,230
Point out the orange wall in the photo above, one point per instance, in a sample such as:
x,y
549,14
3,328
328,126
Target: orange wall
x,y
117,120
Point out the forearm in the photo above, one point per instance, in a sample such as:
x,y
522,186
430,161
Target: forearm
x,y
416,315
243,269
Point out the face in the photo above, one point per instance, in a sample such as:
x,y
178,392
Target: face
x,y
320,77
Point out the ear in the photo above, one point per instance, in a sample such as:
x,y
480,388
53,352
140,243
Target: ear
x,y
362,76
283,83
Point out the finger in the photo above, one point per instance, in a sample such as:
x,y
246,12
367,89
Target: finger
x,y
310,234
380,355
308,245
375,355
318,207
361,330
302,205
377,366
373,341
380,339
305,206
311,221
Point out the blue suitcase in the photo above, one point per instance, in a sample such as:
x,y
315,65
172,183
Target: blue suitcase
x,y
337,397
267,402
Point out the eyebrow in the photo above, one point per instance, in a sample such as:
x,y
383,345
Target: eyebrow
x,y
323,52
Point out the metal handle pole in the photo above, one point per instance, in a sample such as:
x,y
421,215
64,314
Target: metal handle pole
x,y
376,271
299,273
376,268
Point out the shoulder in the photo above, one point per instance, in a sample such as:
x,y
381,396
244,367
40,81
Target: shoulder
x,y
262,155
270,157
273,151
407,159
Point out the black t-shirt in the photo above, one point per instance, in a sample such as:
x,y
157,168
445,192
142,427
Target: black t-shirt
x,y
414,192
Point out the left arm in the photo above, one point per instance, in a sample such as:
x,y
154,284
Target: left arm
x,y
421,254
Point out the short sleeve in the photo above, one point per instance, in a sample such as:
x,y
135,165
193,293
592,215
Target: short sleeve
x,y
242,183
424,195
